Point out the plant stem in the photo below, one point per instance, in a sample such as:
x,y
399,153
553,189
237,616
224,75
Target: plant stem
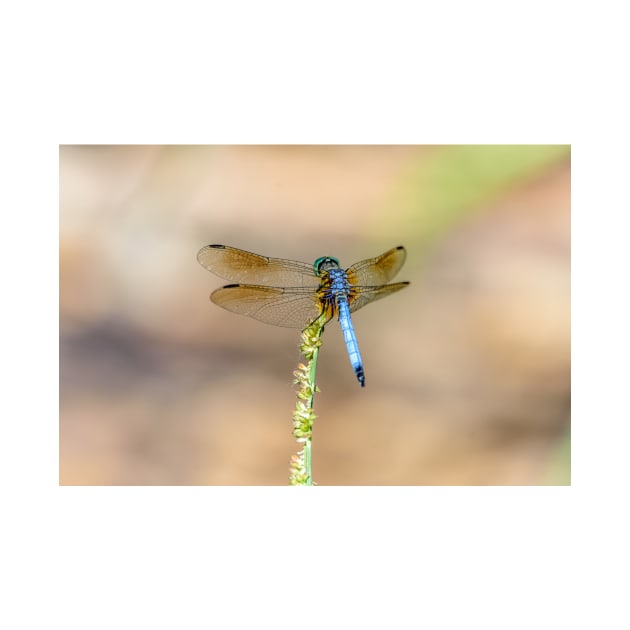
x,y
303,416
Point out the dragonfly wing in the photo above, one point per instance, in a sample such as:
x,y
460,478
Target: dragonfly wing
x,y
295,307
376,271
360,296
237,265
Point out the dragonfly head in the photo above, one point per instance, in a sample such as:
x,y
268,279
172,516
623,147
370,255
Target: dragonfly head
x,y
325,263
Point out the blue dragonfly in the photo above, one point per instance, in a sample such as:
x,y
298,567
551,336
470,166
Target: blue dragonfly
x,y
294,294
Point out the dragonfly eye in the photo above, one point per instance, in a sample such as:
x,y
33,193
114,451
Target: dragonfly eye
x,y
325,263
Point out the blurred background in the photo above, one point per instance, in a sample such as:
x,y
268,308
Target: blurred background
x,y
467,369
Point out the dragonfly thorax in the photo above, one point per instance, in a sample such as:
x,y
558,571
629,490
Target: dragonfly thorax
x,y
325,263
335,287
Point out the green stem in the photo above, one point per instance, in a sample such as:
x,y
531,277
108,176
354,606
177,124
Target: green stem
x,y
308,446
303,416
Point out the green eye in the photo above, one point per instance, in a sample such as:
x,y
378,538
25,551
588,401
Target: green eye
x,y
324,263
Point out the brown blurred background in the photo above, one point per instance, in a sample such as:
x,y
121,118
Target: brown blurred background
x,y
467,370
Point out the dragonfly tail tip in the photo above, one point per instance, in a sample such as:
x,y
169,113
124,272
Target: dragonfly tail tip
x,y
361,377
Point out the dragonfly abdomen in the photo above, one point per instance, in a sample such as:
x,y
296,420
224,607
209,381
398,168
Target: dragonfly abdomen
x,y
340,289
350,338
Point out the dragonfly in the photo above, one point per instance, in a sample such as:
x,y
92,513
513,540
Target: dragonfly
x,y
295,294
